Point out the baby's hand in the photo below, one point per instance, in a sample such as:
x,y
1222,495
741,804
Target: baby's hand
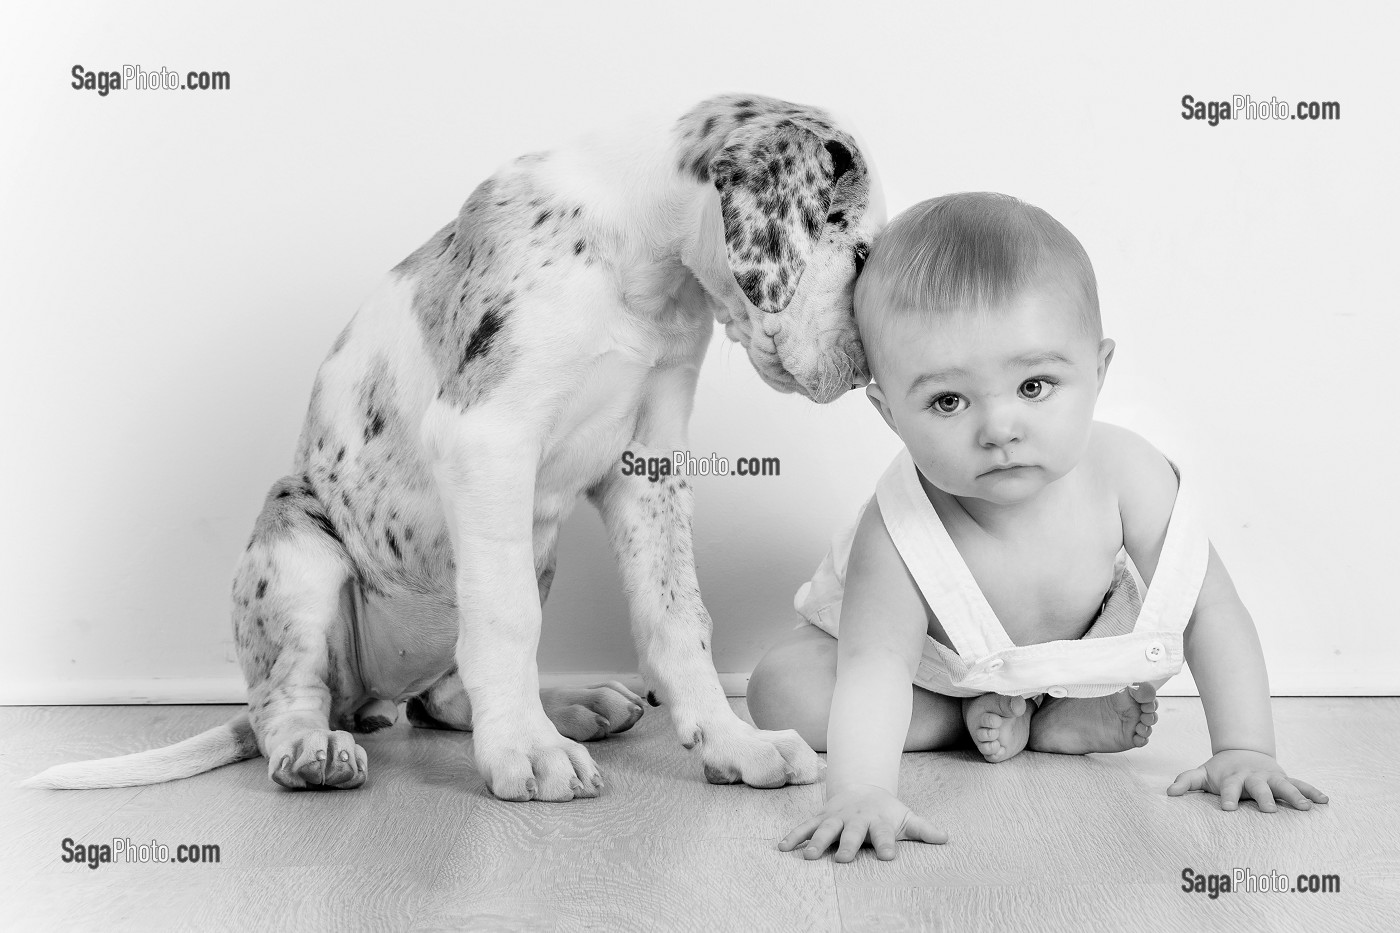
x,y
855,812
1235,771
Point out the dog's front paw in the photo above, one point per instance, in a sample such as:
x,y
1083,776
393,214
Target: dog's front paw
x,y
523,763
319,759
739,753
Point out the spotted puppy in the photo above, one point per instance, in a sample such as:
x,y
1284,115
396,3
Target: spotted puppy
x,y
499,372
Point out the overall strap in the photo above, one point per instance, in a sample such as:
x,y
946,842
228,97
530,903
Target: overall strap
x,y
1181,568
933,560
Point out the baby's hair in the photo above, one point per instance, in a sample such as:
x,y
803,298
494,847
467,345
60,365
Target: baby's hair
x,y
970,250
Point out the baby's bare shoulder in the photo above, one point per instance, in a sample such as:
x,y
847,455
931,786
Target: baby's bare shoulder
x,y
1139,476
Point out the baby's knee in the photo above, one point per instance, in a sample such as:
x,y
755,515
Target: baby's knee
x,y
792,685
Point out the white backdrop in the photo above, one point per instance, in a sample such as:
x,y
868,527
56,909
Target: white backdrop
x,y
175,266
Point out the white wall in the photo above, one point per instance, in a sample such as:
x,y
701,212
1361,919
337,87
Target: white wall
x,y
175,265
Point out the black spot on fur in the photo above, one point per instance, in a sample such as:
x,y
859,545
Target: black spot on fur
x,y
841,161
482,337
544,215
324,523
262,587
749,283
393,544
375,425
284,494
578,247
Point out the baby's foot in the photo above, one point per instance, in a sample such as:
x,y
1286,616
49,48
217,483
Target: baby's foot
x,y
999,725
1113,723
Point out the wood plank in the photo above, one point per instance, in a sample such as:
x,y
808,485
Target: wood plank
x,y
1041,841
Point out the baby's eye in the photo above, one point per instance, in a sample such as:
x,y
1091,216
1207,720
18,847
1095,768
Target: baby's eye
x,y
1034,388
948,403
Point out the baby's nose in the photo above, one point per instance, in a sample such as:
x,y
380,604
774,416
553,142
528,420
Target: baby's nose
x,y
999,428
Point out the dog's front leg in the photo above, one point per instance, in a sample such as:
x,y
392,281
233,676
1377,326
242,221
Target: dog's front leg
x,y
649,524
484,463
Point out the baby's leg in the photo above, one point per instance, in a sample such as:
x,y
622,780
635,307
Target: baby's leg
x,y
792,685
1113,723
999,725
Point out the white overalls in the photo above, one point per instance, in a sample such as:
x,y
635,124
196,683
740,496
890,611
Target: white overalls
x,y
1130,642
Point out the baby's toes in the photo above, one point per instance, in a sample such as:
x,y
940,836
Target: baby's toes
x,y
1141,734
991,721
1009,707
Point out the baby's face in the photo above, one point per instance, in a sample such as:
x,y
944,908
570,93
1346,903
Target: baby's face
x,y
993,404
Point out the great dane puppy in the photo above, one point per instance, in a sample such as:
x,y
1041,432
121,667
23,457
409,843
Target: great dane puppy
x,y
498,373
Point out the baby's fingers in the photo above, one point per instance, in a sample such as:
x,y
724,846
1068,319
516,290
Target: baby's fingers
x,y
822,839
1258,788
1285,791
883,839
918,829
852,838
1230,793
800,835
1315,795
1187,781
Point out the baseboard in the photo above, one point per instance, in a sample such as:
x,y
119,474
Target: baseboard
x,y
161,690
156,691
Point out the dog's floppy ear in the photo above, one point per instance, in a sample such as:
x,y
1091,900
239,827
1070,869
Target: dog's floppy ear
x,y
775,188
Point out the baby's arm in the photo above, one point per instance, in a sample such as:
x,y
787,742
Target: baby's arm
x,y
883,625
1221,645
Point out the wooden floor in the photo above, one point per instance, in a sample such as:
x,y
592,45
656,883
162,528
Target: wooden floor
x,y
1040,842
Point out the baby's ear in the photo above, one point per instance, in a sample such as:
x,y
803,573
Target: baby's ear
x,y
882,405
1106,347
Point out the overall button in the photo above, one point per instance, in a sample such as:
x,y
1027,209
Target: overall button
x,y
1058,692
1155,651
995,664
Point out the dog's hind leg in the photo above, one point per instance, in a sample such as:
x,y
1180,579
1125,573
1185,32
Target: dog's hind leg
x,y
293,641
584,714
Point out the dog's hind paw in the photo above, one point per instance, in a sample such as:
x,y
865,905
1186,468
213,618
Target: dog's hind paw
x,y
319,760
586,714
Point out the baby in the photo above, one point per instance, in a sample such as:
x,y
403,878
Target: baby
x,y
987,568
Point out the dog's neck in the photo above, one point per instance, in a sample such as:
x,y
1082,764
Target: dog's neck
x,y
663,225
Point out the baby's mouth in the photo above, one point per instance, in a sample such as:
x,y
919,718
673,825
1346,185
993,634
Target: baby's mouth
x,y
1007,468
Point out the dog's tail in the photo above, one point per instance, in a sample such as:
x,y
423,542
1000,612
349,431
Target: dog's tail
x,y
221,745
